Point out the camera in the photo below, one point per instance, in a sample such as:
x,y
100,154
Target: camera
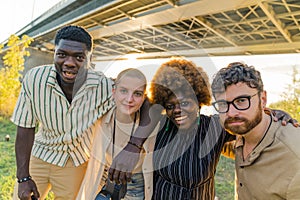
x,y
112,191
33,197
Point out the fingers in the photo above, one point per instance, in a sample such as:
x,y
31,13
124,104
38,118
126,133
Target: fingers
x,y
122,177
36,194
128,176
28,190
24,195
111,173
34,198
119,176
295,123
286,119
116,176
283,123
24,191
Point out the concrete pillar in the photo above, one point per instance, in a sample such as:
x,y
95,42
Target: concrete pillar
x,y
37,58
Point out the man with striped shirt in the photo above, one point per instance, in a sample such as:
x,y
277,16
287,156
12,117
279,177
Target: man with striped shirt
x,y
64,100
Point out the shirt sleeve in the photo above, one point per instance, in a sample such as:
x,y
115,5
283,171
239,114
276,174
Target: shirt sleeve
x,y
23,113
105,90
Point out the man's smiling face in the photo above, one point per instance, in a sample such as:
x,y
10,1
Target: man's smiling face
x,y
71,59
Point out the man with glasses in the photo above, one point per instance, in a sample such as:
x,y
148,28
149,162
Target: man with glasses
x,y
267,155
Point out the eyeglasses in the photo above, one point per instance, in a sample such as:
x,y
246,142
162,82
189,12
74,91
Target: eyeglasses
x,y
240,103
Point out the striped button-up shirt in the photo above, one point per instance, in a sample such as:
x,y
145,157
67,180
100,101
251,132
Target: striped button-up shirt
x,y
185,161
65,130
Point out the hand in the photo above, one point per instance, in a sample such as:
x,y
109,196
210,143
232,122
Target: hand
x,y
283,116
28,189
123,164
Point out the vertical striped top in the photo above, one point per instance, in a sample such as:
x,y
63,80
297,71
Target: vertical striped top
x,y
65,130
185,162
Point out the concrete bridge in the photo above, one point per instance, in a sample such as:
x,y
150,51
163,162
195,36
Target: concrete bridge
x,y
163,28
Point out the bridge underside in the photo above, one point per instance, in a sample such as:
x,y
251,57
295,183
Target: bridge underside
x,y
164,28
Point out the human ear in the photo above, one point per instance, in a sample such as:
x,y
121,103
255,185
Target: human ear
x,y
264,98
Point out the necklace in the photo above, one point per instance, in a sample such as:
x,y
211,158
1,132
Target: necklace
x,y
247,151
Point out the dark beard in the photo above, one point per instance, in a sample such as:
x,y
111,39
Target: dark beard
x,y
249,124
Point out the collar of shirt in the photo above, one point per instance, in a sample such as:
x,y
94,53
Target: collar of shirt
x,y
266,141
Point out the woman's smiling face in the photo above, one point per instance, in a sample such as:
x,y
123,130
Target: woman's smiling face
x,y
182,110
129,94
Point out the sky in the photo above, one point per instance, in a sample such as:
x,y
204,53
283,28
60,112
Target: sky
x,y
276,70
16,14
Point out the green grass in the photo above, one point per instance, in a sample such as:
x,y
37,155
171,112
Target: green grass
x,y
7,161
224,178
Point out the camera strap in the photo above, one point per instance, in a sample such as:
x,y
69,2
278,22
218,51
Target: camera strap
x,y
114,131
111,190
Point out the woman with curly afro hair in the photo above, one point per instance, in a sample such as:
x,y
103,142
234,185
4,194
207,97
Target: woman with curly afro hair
x,y
189,144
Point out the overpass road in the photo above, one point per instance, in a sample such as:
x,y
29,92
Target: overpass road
x,y
164,28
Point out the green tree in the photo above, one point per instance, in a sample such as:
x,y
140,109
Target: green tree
x,y
11,72
291,97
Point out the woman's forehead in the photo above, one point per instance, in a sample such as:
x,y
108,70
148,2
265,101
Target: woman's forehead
x,y
130,82
179,96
